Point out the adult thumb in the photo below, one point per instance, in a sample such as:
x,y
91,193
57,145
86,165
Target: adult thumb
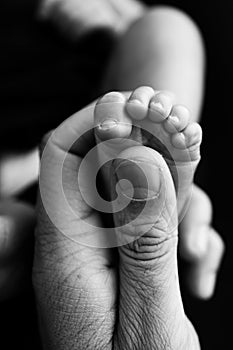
x,y
151,314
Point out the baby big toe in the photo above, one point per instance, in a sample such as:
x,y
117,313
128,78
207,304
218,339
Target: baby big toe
x,y
110,117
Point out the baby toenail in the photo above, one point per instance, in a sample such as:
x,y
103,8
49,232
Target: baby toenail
x,y
136,101
174,119
113,96
108,124
182,137
158,106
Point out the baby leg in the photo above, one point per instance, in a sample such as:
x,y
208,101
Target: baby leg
x,y
164,50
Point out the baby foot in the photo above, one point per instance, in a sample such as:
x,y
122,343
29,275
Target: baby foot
x,y
149,117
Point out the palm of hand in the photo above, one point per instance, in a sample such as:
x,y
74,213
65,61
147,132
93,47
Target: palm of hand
x,y
81,280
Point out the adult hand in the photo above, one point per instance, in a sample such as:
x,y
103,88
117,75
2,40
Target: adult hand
x,y
199,242
17,222
94,297
200,245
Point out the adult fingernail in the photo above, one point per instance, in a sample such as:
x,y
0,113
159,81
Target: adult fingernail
x,y
138,179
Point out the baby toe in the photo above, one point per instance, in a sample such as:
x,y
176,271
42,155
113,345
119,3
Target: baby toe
x,y
177,120
137,105
178,140
189,139
193,135
160,107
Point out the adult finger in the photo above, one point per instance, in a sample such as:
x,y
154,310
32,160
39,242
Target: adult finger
x,y
17,172
17,221
200,245
150,307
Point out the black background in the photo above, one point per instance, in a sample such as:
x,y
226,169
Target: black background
x,y
44,79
